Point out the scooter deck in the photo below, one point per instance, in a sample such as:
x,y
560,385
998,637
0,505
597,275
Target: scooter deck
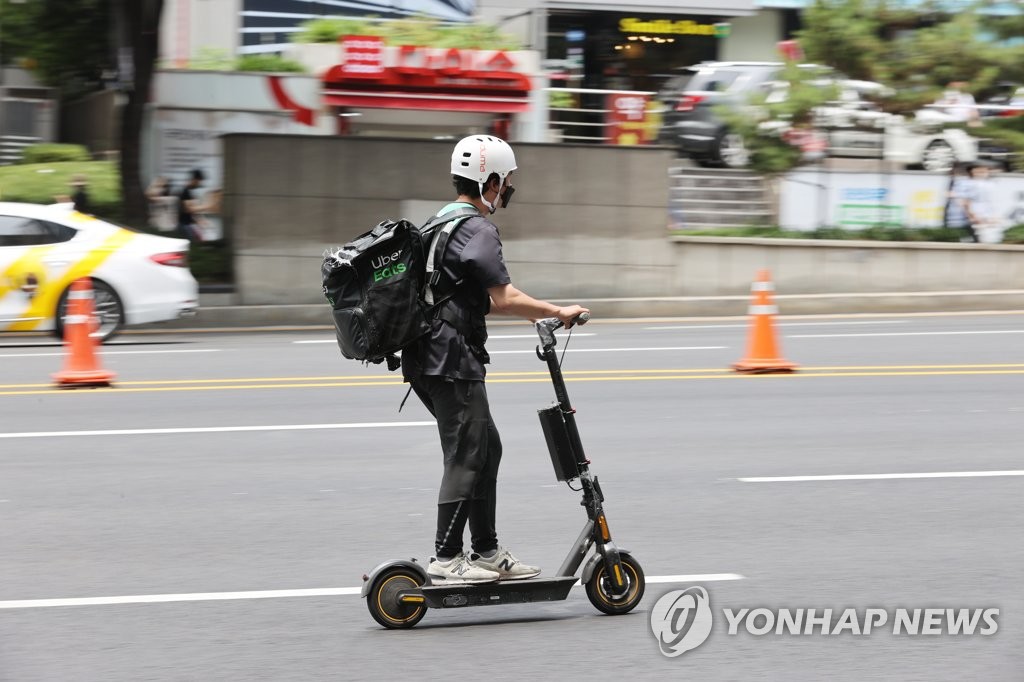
x,y
505,592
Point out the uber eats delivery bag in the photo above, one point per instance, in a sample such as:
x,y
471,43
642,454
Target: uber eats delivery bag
x,y
378,285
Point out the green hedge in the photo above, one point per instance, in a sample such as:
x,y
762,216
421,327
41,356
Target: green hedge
x,y
412,31
1014,235
268,63
55,153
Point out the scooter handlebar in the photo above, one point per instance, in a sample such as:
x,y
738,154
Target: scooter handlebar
x,y
547,327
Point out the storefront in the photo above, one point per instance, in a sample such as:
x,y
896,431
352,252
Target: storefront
x,y
630,50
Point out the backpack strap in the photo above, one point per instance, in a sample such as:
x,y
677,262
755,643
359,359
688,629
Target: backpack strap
x,y
438,244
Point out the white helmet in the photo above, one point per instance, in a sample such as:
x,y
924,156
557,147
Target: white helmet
x,y
477,156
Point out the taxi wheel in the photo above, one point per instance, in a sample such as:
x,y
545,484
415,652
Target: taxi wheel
x,y
107,306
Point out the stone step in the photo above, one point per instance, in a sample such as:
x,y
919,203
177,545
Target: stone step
x,y
760,207
719,196
697,182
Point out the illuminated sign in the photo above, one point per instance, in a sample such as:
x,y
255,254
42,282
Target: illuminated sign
x,y
683,27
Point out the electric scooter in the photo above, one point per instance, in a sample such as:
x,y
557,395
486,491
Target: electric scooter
x,y
398,593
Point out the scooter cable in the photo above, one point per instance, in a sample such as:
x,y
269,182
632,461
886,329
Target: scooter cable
x,y
565,347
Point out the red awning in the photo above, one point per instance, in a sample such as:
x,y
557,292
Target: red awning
x,y
382,99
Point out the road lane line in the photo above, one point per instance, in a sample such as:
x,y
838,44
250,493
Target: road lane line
x,y
684,374
945,333
881,477
778,324
279,594
570,351
113,352
212,429
490,337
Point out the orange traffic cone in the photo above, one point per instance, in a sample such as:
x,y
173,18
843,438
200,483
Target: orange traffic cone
x,y
762,350
80,367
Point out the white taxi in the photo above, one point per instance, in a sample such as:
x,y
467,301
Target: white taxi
x,y
137,278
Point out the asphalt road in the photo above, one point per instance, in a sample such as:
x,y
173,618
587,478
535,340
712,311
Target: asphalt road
x,y
227,469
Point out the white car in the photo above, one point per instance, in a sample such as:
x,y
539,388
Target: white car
x,y
137,278
853,127
923,141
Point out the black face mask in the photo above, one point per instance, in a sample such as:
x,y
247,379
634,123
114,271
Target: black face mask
x,y
506,196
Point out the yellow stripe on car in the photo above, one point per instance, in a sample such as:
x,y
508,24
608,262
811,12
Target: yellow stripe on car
x,y
30,261
44,305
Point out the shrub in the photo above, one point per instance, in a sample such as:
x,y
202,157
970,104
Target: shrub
x,y
268,63
211,262
55,153
875,233
423,32
1015,235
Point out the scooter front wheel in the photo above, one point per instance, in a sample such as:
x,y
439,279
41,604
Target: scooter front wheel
x,y
601,595
383,599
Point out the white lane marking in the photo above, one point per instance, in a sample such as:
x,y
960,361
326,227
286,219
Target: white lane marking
x,y
879,477
278,594
213,429
113,352
490,337
780,324
947,333
610,350
532,336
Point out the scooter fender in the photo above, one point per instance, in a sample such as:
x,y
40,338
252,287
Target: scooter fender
x,y
593,561
411,564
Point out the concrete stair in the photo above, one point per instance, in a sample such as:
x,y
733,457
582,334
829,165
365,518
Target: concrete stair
x,y
709,198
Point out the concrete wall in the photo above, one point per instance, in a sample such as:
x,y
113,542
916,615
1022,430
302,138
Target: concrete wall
x,y
584,221
753,39
93,121
587,224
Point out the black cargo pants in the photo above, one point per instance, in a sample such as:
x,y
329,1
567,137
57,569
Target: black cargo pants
x,y
472,453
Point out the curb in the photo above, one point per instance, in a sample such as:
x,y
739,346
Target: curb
x,y
318,315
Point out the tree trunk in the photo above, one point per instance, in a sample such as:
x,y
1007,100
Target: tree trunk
x,y
141,22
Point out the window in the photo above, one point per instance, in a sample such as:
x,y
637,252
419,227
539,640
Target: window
x,y
18,231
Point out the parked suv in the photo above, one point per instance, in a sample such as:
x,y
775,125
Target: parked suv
x,y
689,121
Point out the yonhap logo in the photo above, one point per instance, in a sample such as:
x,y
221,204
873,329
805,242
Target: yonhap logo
x,y
681,620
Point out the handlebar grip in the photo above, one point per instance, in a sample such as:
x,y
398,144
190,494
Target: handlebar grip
x,y
582,318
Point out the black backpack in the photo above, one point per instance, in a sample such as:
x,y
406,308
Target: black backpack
x,y
381,285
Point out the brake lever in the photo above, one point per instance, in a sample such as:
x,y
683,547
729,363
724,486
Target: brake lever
x,y
547,327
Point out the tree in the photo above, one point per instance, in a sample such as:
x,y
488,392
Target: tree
x,y
77,46
916,51
843,35
139,21
66,43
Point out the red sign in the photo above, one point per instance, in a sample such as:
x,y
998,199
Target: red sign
x,y
363,56
425,78
627,118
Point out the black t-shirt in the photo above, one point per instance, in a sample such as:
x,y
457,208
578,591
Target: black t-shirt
x,y
185,216
474,255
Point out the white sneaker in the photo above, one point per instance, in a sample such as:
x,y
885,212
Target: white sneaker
x,y
457,570
507,566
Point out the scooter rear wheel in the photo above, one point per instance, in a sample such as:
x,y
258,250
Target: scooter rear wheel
x,y
383,602
599,587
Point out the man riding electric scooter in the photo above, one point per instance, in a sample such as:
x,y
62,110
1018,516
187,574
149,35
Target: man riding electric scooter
x,y
446,367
